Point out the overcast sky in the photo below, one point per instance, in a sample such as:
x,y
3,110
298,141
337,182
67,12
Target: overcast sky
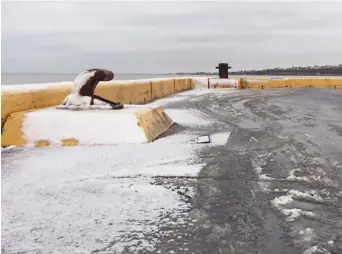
x,y
161,37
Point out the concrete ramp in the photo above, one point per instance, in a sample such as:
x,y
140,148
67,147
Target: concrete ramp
x,y
51,126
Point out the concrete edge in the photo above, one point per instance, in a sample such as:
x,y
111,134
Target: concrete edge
x,y
153,122
130,92
334,83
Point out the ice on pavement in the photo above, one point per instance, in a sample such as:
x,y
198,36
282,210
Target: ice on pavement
x,y
82,199
220,138
60,197
85,198
189,117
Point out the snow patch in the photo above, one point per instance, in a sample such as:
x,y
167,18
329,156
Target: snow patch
x,y
278,202
202,82
30,87
225,82
315,249
42,86
293,177
8,149
99,194
253,138
308,195
168,100
107,127
219,139
188,117
265,177
294,213
93,214
307,234
281,202
258,162
159,170
318,177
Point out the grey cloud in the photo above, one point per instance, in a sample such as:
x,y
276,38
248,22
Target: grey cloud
x,y
152,37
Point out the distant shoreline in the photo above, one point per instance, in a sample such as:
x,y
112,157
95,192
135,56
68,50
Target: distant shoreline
x,y
37,78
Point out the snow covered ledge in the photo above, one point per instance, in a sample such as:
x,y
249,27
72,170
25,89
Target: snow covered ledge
x,y
45,127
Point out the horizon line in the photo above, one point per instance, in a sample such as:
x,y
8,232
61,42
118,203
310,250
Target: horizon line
x,y
73,73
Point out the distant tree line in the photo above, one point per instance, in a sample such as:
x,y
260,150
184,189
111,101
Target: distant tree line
x,y
327,70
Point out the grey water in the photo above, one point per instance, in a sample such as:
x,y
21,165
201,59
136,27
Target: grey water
x,y
34,78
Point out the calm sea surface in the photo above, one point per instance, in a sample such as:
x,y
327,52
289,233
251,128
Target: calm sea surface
x,y
28,78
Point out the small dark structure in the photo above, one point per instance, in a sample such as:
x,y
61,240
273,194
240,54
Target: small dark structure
x,y
223,70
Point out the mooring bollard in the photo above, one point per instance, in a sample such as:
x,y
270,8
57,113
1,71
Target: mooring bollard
x,y
223,69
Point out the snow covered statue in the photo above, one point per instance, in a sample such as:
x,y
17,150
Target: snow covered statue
x,y
82,92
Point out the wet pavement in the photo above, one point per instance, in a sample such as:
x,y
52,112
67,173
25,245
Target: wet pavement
x,y
273,186
276,186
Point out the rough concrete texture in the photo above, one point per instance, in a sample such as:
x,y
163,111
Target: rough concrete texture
x,y
270,182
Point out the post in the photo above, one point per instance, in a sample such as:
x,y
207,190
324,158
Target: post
x,y
223,69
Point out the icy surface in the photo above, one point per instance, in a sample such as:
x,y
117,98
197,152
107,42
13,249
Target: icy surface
x,y
220,138
189,117
98,195
103,199
107,126
86,198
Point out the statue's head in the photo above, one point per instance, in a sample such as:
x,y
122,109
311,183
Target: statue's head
x,y
102,74
86,82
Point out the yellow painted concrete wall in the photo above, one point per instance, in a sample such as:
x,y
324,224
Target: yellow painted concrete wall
x,y
135,93
192,84
139,92
182,85
276,83
291,82
153,121
17,101
336,82
12,128
302,82
247,83
126,92
162,88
